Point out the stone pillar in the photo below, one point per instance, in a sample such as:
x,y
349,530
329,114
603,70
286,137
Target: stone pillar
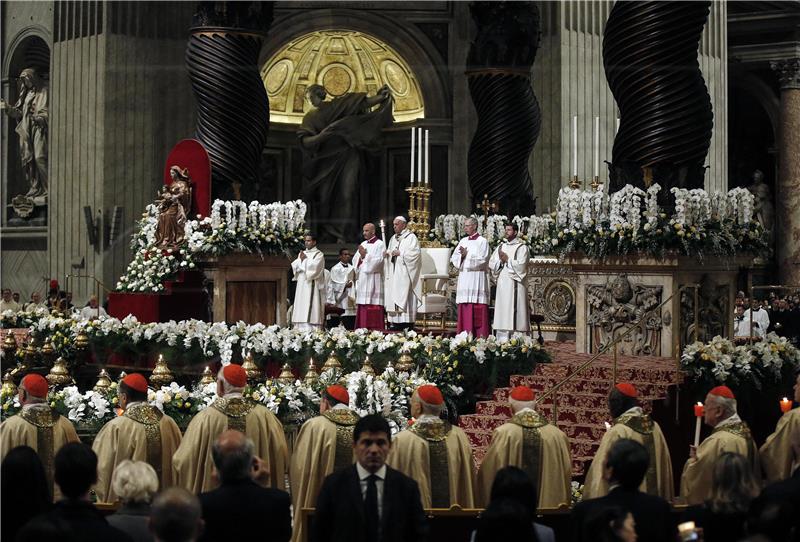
x,y
788,185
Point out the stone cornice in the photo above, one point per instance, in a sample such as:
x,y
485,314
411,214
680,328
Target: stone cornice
x,y
788,72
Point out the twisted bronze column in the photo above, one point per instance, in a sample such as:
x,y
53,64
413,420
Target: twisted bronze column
x,y
232,103
650,59
498,70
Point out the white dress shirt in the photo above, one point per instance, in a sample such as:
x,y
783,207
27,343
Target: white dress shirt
x,y
363,474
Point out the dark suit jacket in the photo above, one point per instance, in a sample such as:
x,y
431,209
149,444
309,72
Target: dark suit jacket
x,y
85,522
652,514
340,516
244,510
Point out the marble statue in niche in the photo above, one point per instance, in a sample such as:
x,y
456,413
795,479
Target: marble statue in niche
x,y
334,137
763,207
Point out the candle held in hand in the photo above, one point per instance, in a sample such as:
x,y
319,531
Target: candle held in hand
x,y
786,405
698,410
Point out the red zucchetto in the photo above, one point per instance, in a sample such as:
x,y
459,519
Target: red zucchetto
x,y
522,393
136,382
339,393
430,394
35,385
723,391
626,388
235,375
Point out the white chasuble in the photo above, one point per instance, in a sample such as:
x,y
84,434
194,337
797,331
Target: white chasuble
x,y
511,302
402,274
369,273
473,270
309,297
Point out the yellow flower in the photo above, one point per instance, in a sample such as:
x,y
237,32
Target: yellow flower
x,y
705,357
678,226
256,396
187,405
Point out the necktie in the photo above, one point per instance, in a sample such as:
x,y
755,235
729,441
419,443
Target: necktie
x,y
371,508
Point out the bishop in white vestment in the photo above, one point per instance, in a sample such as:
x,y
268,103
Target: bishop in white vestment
x,y
308,311
368,264
471,258
509,266
341,288
403,264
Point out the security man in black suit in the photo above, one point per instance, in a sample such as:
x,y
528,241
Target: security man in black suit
x,y
369,502
626,465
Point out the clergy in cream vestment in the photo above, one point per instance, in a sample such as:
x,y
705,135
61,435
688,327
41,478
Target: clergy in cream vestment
x,y
471,259
368,264
324,444
435,454
141,433
37,426
402,267
192,463
528,441
509,265
630,422
778,453
308,311
730,434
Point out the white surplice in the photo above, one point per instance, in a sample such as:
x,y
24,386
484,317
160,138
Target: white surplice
x,y
339,293
309,297
760,321
402,275
473,270
511,311
369,273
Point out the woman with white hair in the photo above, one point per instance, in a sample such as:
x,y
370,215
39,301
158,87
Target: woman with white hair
x,y
136,483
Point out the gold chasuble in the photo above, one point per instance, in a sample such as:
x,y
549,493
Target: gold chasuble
x,y
42,429
192,464
529,442
635,425
142,433
324,445
776,453
726,437
438,456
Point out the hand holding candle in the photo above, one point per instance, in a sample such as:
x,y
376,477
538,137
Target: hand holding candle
x,y
698,412
786,405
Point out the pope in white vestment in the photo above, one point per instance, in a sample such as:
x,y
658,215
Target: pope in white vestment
x,y
509,265
471,258
402,268
368,264
308,311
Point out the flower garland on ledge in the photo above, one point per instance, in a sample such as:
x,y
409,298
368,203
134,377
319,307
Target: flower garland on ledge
x,y
295,402
453,363
769,361
267,229
629,221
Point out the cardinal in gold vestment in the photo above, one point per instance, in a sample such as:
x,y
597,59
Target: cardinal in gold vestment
x,y
435,454
529,442
141,433
192,464
630,422
779,454
324,444
730,434
37,426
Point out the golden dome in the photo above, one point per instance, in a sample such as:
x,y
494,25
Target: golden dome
x,y
342,61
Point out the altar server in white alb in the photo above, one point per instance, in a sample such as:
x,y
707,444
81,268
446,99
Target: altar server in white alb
x,y
308,311
509,266
368,264
341,288
471,258
403,264
759,317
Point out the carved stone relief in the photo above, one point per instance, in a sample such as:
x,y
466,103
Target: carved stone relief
x,y
551,293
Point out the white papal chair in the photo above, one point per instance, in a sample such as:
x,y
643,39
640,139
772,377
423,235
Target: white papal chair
x,y
433,287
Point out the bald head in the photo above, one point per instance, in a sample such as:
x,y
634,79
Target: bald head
x,y
175,516
233,456
368,230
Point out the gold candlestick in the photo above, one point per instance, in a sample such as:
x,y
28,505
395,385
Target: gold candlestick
x,y
311,374
332,363
575,183
103,382
595,183
286,375
250,368
367,367
161,376
208,377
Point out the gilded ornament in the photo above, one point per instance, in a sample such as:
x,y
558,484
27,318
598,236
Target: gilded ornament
x,y
251,369
59,374
405,363
81,341
122,376
161,376
10,343
332,362
208,377
9,388
367,367
31,350
286,375
47,350
311,374
103,382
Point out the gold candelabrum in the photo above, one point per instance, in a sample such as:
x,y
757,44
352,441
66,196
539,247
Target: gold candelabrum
x,y
419,212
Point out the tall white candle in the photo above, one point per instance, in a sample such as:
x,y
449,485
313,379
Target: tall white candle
x,y
413,143
697,433
419,156
617,125
597,146
427,159
575,145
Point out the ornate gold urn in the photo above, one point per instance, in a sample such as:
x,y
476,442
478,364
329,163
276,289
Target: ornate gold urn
x,y
286,375
208,377
9,388
59,374
367,367
405,363
311,374
161,376
103,382
250,367
332,362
